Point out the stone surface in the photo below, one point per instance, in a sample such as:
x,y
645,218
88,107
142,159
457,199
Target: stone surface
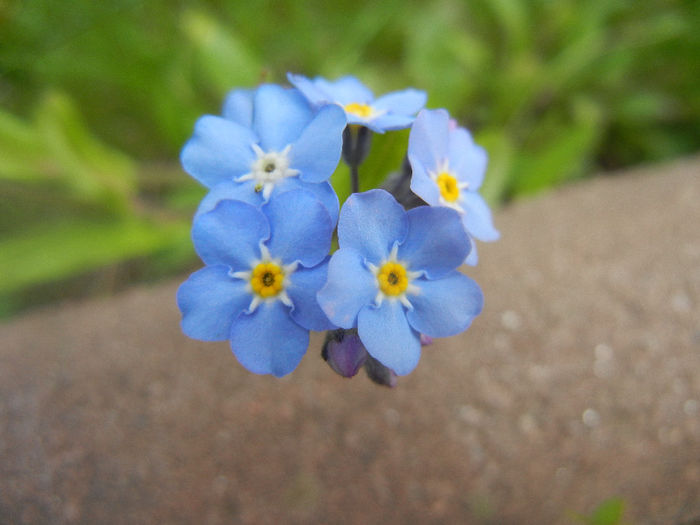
x,y
579,382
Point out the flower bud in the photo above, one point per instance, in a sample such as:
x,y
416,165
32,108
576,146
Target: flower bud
x,y
344,352
379,373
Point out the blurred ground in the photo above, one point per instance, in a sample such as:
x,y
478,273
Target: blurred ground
x,y
579,382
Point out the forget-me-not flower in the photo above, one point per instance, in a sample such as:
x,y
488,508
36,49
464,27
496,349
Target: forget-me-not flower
x,y
264,266
448,169
392,111
394,277
268,141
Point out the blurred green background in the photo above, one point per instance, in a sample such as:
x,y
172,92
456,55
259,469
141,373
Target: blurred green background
x,y
97,98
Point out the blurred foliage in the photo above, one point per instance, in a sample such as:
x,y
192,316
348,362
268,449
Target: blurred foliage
x,y
609,512
97,98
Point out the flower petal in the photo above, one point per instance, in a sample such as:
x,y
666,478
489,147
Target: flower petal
x,y
230,190
218,151
309,89
317,151
279,117
350,286
230,234
345,90
406,102
388,337
268,341
436,242
477,217
421,184
473,257
304,285
446,306
389,122
238,107
467,160
370,223
209,301
323,192
301,228
428,139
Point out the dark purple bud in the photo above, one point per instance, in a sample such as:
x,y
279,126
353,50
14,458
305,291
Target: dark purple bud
x,y
344,352
356,144
379,373
425,340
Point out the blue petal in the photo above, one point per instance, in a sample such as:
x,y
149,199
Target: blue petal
x,y
477,217
473,257
389,122
301,228
323,192
209,301
317,152
345,90
230,234
428,140
229,190
467,160
309,89
279,117
219,150
421,183
370,223
406,102
304,285
436,242
267,341
238,107
388,337
446,306
350,286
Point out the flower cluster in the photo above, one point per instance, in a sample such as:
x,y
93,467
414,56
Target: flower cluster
x,y
264,230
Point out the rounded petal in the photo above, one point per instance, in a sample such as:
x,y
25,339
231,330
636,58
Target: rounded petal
x,y
473,257
388,337
406,102
219,150
345,90
350,286
230,190
209,301
467,160
436,242
230,234
370,223
279,116
304,285
301,228
323,192
238,107
446,306
389,122
421,184
428,140
309,89
477,217
268,341
317,151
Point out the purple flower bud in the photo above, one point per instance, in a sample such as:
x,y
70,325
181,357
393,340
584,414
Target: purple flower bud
x,y
425,340
379,373
344,352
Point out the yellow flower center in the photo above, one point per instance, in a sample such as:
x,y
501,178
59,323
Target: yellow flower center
x,y
267,279
361,110
449,188
392,278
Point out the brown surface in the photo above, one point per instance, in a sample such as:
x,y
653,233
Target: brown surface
x,y
579,382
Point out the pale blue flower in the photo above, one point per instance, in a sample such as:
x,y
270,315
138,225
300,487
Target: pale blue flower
x,y
392,111
264,266
394,277
448,169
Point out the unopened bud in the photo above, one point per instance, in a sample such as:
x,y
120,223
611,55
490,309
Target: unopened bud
x,y
344,352
379,373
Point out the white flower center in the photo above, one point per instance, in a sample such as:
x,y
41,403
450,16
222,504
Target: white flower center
x,y
269,168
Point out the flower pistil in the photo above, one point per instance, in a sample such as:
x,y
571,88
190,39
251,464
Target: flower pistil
x,y
268,169
394,280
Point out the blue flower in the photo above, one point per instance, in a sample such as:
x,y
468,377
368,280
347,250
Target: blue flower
x,y
264,266
394,277
268,141
448,169
392,111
